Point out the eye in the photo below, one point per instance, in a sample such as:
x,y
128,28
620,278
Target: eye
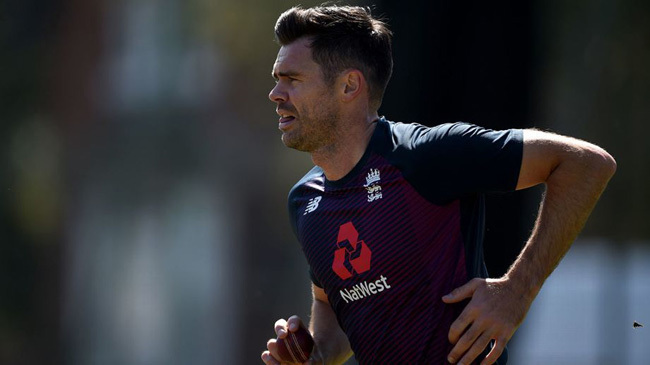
x,y
285,79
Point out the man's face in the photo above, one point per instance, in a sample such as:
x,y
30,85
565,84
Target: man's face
x,y
308,111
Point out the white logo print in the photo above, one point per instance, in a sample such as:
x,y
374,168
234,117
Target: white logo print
x,y
312,205
372,185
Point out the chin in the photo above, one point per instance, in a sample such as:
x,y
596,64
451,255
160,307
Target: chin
x,y
289,142
295,143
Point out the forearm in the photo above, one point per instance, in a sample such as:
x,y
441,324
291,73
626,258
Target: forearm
x,y
572,190
575,173
331,341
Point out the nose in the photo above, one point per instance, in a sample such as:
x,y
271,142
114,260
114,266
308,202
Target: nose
x,y
277,95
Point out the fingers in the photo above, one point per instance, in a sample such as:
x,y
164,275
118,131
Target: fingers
x,y
475,327
493,313
496,351
294,322
268,359
475,340
272,351
464,320
468,339
478,345
463,292
282,328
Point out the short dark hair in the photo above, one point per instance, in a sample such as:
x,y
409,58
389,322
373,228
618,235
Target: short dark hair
x,y
343,37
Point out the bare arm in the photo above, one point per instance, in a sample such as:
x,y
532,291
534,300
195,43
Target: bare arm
x,y
331,345
575,173
331,341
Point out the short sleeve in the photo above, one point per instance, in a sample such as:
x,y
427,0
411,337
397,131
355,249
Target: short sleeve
x,y
293,206
451,160
314,279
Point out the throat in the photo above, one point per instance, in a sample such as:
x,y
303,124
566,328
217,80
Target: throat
x,y
337,163
339,158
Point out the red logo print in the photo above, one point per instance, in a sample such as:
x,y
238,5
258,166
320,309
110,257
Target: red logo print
x,y
351,250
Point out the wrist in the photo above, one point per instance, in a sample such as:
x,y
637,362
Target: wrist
x,y
326,352
523,282
319,354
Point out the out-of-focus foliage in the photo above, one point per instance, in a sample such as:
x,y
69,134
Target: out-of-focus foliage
x,y
143,182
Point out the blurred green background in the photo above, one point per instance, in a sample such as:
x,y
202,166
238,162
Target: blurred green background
x,y
143,182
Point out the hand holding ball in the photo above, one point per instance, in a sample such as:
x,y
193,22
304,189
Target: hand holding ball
x,y
296,347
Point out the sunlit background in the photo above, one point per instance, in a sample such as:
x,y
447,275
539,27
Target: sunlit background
x,y
143,182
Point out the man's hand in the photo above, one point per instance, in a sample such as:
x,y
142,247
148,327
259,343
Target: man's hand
x,y
575,173
282,328
495,311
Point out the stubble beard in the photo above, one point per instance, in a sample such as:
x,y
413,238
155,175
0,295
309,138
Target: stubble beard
x,y
314,133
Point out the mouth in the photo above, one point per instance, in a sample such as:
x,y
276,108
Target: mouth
x,y
285,120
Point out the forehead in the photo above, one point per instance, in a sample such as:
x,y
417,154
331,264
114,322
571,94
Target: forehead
x,y
295,57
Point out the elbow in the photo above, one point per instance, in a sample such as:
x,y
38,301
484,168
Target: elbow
x,y
602,163
611,164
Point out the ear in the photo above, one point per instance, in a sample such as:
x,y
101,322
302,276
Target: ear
x,y
354,84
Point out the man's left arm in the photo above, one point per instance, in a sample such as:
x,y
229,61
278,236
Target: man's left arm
x,y
575,173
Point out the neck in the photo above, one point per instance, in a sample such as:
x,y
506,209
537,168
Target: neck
x,y
338,159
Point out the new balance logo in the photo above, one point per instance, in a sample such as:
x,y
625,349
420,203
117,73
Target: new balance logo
x,y
312,205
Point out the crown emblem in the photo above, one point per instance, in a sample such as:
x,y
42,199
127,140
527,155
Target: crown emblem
x,y
373,177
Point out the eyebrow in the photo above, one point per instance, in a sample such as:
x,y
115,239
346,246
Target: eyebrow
x,y
289,73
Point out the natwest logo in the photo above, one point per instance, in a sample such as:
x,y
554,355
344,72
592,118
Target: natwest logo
x,y
351,250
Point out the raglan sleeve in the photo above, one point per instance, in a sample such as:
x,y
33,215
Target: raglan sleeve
x,y
453,160
293,217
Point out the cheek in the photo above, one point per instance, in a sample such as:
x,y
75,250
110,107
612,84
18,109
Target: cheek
x,y
311,102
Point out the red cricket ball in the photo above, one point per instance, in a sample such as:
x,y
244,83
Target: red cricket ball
x,y
296,347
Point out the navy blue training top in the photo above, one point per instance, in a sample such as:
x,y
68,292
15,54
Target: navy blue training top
x,y
402,229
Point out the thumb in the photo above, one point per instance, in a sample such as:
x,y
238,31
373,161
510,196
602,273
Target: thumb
x,y
462,292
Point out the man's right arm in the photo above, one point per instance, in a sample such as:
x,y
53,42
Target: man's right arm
x,y
331,342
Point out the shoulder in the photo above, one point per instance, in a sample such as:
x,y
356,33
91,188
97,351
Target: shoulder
x,y
313,180
413,139
405,135
461,135
447,137
452,159
412,135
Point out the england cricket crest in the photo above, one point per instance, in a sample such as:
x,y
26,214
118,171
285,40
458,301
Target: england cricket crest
x,y
372,185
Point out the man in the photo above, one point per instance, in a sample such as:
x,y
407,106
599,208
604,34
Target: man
x,y
391,217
